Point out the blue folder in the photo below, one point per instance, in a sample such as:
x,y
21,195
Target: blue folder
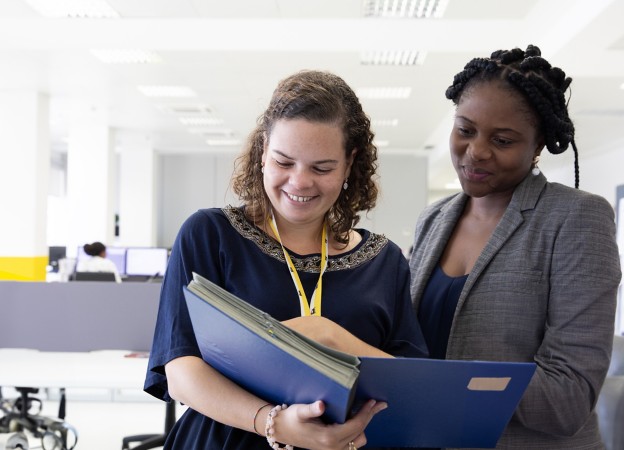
x,y
431,403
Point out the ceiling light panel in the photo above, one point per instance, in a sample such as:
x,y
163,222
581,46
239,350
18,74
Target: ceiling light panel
x,y
384,93
211,132
126,56
407,9
223,142
74,9
392,58
194,121
167,91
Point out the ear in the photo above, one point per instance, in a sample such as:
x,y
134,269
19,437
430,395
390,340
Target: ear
x,y
538,148
350,160
265,147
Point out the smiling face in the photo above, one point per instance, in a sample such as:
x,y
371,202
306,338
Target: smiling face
x,y
305,166
494,140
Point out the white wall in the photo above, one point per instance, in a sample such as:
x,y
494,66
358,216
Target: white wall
x,y
190,182
187,183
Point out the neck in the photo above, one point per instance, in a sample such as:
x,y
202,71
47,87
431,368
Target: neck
x,y
300,238
487,208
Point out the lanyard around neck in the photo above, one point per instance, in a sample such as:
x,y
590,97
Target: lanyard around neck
x,y
313,308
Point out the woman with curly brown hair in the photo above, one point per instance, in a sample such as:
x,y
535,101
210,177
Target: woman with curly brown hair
x,y
292,251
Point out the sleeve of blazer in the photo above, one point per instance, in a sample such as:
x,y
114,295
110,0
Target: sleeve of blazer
x,y
574,355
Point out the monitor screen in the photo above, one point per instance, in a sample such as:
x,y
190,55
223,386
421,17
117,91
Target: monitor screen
x,y
56,253
115,254
151,261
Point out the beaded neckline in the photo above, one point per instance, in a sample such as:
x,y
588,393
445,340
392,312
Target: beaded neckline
x,y
365,251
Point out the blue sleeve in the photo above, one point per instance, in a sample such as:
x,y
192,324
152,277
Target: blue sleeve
x,y
196,249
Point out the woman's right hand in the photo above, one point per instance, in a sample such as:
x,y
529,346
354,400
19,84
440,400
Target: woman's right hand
x,y
301,426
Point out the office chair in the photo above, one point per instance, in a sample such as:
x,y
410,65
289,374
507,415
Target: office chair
x,y
94,276
149,441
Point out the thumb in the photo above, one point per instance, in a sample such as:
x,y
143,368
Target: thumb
x,y
311,410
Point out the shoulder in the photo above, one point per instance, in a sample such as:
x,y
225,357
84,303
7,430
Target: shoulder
x,y
450,206
376,244
213,219
564,200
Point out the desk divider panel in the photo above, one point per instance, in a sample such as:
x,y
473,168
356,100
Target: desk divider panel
x,y
78,316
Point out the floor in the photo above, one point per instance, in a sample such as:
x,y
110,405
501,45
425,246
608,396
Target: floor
x,y
103,418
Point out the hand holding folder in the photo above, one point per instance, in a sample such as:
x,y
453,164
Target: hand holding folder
x,y
431,403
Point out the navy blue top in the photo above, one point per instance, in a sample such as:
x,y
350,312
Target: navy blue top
x,y
437,309
365,290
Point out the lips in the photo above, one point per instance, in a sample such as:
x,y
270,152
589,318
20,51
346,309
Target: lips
x,y
475,173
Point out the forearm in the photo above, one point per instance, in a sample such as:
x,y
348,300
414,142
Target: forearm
x,y
193,382
332,335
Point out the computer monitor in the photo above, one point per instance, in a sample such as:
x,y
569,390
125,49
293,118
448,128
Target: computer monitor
x,y
115,254
56,253
150,261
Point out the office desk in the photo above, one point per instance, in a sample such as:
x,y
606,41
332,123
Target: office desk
x,y
108,369
101,369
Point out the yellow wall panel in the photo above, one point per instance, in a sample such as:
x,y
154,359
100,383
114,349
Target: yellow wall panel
x,y
26,268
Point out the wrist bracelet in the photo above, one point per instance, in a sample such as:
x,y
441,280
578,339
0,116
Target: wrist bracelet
x,y
256,416
270,428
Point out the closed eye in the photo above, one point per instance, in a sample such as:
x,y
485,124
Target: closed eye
x,y
283,163
464,131
502,142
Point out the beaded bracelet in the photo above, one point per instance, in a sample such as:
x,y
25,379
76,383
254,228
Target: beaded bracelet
x,y
256,416
270,428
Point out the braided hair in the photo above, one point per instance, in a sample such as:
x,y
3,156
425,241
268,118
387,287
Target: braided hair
x,y
542,85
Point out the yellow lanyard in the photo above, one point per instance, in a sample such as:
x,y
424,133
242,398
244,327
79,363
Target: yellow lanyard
x,y
314,307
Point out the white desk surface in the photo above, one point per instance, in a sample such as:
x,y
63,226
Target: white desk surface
x,y
109,369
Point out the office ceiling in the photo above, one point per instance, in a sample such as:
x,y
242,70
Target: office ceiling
x,y
232,53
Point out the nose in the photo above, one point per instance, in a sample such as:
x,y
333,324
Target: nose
x,y
478,150
301,179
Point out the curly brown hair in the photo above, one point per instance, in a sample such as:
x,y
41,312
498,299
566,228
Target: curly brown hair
x,y
321,97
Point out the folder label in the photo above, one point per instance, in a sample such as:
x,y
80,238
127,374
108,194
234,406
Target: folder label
x,y
488,383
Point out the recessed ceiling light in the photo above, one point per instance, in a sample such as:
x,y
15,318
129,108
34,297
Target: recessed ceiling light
x,y
392,58
381,143
207,132
74,9
126,56
416,9
223,142
167,91
384,93
622,86
200,121
385,122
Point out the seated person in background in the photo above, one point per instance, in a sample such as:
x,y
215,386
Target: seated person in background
x,y
98,261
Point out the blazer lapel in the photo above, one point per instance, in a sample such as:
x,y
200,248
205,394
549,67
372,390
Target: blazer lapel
x,y
525,197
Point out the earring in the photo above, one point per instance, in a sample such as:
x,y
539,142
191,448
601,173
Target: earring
x,y
345,186
535,170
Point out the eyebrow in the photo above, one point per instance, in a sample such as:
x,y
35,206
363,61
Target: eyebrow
x,y
497,129
322,161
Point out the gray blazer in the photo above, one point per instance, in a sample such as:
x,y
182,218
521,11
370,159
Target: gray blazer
x,y
544,289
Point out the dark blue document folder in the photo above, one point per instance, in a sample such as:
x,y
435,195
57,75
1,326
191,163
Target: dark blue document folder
x,y
431,403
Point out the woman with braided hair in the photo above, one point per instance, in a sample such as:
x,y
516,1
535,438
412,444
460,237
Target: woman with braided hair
x,y
516,268
306,172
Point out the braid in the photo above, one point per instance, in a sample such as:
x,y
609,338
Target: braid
x,y
542,85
